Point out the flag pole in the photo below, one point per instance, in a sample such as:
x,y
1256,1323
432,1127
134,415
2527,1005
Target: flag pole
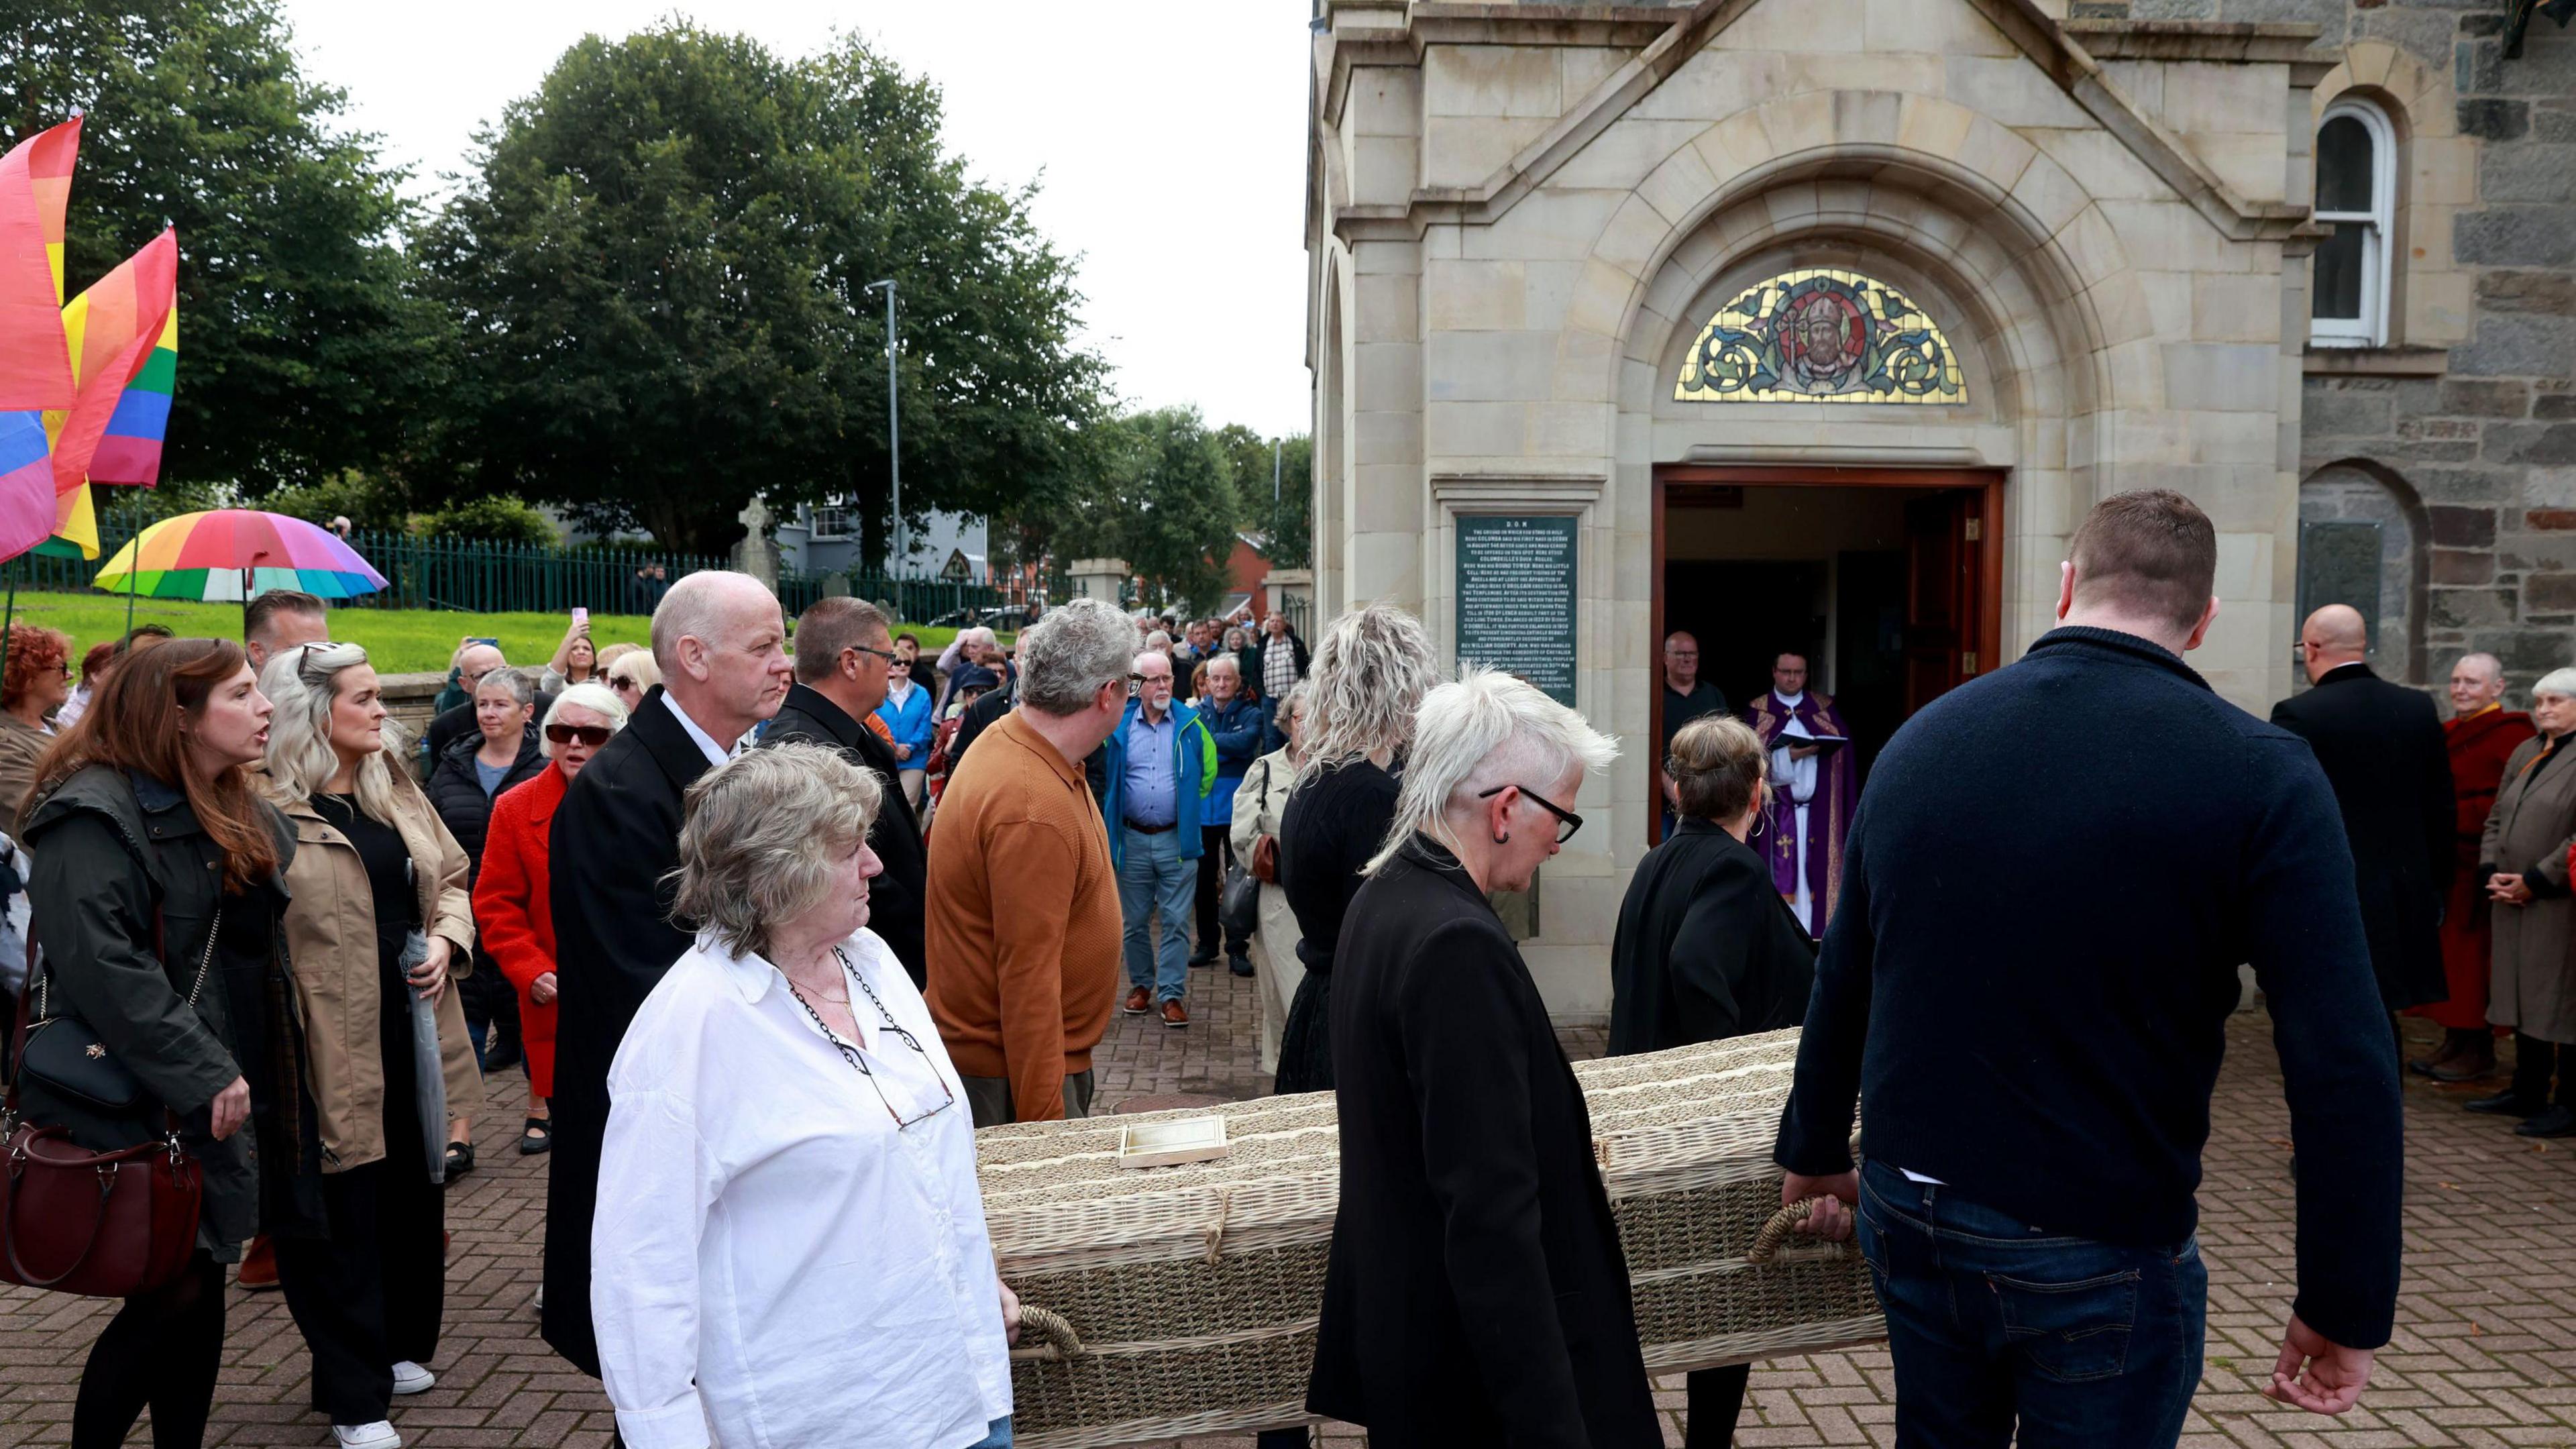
x,y
129,576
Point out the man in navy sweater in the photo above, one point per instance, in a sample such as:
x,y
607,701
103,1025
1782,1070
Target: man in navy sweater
x,y
2053,876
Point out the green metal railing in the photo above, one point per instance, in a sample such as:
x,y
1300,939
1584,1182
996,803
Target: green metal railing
x,y
489,578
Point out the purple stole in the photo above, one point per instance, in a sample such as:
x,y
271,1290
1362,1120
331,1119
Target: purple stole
x,y
1828,814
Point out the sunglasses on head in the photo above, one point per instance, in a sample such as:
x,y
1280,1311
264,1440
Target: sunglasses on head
x,y
591,735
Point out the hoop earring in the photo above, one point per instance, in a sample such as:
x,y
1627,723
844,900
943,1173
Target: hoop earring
x,y
1503,839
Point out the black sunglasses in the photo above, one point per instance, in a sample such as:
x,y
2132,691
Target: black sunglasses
x,y
591,735
1567,822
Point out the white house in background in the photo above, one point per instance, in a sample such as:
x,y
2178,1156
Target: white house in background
x,y
825,537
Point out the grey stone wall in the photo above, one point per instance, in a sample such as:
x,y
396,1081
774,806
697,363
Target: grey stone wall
x,y
2484,452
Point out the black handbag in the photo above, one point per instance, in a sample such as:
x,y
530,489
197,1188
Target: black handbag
x,y
1238,905
74,1081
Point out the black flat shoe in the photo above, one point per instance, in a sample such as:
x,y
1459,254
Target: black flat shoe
x,y
538,1136
2505,1104
2556,1122
503,1056
2463,1068
460,1159
1239,964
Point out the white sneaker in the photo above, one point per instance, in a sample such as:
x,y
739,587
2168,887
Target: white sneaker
x,y
411,1378
541,1298
378,1435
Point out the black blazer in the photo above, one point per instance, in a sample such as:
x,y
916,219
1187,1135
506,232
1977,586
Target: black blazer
x,y
615,836
1706,948
895,897
1476,1293
2385,755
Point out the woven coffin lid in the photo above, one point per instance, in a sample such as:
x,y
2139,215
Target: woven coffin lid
x,y
1055,1196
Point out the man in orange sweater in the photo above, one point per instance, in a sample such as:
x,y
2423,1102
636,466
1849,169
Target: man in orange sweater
x,y
1022,930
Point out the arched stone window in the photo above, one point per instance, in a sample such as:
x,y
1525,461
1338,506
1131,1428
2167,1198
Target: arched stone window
x,y
2357,204
2359,528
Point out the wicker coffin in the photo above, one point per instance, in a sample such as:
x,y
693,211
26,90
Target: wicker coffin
x,y
1182,1300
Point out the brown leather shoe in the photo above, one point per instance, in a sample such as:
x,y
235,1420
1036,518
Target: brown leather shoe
x,y
1139,1001
1175,1014
258,1266
2465,1067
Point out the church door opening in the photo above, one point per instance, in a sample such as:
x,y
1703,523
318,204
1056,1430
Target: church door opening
x,y
1887,583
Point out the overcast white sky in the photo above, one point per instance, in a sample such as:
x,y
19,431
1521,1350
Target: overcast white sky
x,y
1169,134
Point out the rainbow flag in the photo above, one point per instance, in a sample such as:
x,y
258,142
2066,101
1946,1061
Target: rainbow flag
x,y
124,339
35,363
139,299
35,189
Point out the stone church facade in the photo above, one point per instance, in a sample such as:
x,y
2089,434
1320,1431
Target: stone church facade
x,y
1832,317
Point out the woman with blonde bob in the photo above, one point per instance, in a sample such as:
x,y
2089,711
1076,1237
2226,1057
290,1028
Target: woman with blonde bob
x,y
789,1246
1475,1292
378,914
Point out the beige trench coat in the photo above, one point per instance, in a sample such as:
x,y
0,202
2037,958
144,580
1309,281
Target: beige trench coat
x,y
2533,986
331,949
1258,805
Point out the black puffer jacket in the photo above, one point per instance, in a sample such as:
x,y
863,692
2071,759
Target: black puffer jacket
x,y
457,792
127,885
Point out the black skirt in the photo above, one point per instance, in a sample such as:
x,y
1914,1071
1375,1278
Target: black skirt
x,y
1306,1040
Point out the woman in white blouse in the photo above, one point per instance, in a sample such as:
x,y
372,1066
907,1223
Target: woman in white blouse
x,y
789,1248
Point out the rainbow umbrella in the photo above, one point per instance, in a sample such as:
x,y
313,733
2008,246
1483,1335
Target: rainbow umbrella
x,y
231,554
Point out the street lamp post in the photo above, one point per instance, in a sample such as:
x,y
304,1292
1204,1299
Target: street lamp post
x,y
894,434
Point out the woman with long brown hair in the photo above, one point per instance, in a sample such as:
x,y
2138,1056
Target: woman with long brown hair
x,y
156,871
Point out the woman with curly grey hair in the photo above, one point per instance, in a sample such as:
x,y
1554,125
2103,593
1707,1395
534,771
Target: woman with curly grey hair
x,y
789,1246
1369,675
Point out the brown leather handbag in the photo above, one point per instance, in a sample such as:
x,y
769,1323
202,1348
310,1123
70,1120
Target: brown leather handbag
x,y
100,1224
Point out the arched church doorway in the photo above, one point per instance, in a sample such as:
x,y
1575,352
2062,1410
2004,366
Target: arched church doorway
x,y
1888,583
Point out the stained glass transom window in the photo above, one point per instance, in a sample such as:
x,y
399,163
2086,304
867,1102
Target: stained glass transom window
x,y
1820,335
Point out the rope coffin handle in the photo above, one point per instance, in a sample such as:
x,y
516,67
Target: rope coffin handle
x,y
1777,1229
1061,1341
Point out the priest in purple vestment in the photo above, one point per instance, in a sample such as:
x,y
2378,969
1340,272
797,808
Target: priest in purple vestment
x,y
1814,790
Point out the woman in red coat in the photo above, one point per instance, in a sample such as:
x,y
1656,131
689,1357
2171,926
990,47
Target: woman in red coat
x,y
2482,735
512,911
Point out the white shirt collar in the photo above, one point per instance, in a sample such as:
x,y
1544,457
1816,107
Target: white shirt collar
x,y
1790,701
898,687
753,974
716,754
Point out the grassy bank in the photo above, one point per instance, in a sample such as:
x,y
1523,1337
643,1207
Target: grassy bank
x,y
400,641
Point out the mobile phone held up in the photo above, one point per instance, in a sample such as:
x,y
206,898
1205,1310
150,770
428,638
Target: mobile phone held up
x,y
581,618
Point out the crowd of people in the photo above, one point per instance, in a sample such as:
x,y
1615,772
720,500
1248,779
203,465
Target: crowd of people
x,y
768,943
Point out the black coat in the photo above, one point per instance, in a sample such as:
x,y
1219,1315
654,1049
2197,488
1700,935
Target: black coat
x,y
615,836
1476,1293
457,721
456,791
2385,755
1706,949
896,896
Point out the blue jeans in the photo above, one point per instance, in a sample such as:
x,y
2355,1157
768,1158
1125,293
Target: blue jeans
x,y
1000,1438
1995,1327
1152,878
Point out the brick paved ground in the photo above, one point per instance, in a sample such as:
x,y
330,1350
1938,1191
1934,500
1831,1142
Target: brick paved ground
x,y
2485,1354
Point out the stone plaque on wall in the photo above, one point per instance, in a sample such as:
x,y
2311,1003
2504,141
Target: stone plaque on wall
x,y
1516,600
2339,564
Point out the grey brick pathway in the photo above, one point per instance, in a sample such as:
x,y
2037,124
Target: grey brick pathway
x,y
2485,1354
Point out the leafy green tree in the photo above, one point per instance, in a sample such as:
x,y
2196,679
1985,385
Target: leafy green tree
x,y
1284,519
1163,500
301,345
495,518
660,272
367,500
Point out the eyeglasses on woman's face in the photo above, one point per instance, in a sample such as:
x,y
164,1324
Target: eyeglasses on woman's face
x,y
591,735
1567,822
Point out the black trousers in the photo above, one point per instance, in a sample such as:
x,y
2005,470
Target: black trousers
x,y
372,1293
162,1350
2533,1061
1216,851
491,1006
1716,1401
